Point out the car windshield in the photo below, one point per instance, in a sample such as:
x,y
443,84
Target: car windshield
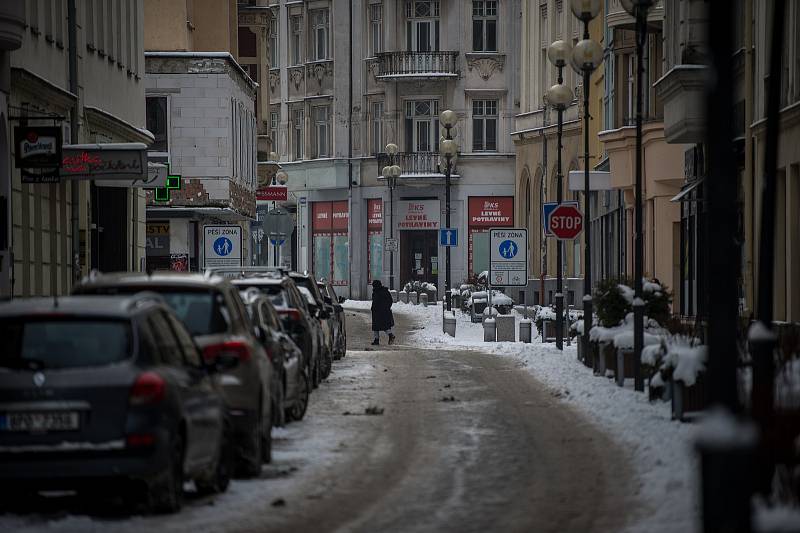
x,y
275,293
309,285
202,311
48,343
309,297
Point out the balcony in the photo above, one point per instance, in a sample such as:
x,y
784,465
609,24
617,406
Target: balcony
x,y
617,17
416,165
416,65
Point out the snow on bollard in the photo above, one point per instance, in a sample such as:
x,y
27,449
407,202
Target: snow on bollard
x,y
505,328
423,298
403,296
413,297
489,330
525,330
450,325
393,293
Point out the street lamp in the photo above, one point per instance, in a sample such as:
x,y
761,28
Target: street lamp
x,y
559,96
391,172
448,149
638,8
280,177
586,56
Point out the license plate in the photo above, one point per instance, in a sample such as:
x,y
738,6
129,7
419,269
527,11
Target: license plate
x,y
40,421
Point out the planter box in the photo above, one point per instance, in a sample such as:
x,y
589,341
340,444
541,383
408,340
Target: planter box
x,y
608,357
592,356
687,400
476,311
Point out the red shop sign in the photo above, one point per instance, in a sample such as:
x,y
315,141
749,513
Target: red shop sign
x,y
321,213
340,215
491,211
272,193
375,214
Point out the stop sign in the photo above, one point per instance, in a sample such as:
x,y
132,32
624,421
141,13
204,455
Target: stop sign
x,y
566,222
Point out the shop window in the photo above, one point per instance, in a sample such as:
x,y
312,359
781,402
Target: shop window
x,y
484,26
331,251
486,212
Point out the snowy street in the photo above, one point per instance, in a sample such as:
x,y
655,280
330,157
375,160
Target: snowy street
x,y
433,435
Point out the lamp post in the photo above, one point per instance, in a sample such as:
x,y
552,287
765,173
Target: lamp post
x,y
586,56
448,149
391,172
559,96
280,177
638,8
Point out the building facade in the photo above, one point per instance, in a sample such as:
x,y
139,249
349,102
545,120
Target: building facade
x,y
201,108
348,78
58,228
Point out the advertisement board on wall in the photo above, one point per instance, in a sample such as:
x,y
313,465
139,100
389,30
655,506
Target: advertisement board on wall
x,y
418,214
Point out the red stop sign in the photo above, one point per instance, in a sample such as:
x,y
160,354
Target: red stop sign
x,y
566,222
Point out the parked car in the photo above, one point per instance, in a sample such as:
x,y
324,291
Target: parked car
x,y
215,315
337,314
96,391
295,317
292,376
306,281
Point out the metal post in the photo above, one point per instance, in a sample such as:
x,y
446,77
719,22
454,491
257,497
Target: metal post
x,y
542,194
587,226
448,169
74,186
559,251
391,226
638,302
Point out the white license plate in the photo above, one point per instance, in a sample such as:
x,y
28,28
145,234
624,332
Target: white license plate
x,y
40,421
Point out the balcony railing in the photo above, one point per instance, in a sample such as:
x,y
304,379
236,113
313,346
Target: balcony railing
x,y
417,65
416,164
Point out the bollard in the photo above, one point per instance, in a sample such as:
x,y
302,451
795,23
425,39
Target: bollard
x,y
413,297
450,325
403,296
525,329
505,328
423,298
394,295
489,330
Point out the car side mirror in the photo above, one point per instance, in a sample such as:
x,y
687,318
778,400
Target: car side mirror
x,y
341,299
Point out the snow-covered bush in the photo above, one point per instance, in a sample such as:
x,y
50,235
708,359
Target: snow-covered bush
x,y
614,301
676,357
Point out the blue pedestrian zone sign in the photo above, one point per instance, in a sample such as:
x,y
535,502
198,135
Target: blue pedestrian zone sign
x,y
508,249
448,237
223,246
547,208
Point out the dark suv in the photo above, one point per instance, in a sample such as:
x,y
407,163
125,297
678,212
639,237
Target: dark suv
x,y
334,304
108,389
316,304
215,315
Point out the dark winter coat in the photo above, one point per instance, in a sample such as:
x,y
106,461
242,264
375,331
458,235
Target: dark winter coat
x,y
382,318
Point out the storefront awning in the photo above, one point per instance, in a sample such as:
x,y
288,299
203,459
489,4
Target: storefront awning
x,y
685,190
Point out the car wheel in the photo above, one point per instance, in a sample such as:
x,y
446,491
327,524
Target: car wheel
x,y
278,418
327,364
315,375
219,476
266,445
166,494
250,460
298,410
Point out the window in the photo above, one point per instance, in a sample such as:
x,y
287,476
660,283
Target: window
x,y
319,34
101,27
165,339
376,28
273,41
321,131
156,110
377,127
90,24
422,126
274,120
191,356
297,134
544,36
484,125
296,25
484,26
422,26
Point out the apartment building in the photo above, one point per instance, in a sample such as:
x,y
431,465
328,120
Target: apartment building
x,y
57,224
348,78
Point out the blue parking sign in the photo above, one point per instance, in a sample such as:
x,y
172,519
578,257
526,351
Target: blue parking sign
x,y
448,237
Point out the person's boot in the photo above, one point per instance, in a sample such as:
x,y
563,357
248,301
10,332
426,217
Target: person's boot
x,y
376,342
391,338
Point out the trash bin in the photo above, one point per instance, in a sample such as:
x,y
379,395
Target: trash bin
x,y
505,328
525,329
394,295
489,330
423,298
450,325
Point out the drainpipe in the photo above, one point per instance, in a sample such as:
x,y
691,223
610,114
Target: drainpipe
x,y
350,150
72,26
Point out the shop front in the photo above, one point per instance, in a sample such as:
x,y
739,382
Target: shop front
x,y
418,223
486,212
375,237
330,251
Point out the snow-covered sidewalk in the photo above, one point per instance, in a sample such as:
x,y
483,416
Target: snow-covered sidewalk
x,y
660,450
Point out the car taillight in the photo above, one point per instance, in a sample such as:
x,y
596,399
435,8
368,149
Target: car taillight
x,y
269,353
140,440
292,314
148,388
237,349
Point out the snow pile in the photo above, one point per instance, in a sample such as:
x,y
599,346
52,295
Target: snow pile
x,y
498,298
622,335
660,449
687,363
776,519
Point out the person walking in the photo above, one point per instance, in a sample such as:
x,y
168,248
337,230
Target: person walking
x,y
382,319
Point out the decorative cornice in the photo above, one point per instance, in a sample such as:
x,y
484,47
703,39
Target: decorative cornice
x,y
318,71
486,64
274,79
296,76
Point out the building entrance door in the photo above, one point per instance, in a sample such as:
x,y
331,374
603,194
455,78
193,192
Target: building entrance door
x,y
419,259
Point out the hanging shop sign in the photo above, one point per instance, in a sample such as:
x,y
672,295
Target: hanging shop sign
x,y
37,147
108,161
157,174
273,193
418,215
491,211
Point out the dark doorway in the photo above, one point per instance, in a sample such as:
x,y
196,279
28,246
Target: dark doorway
x,y
419,261
109,229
